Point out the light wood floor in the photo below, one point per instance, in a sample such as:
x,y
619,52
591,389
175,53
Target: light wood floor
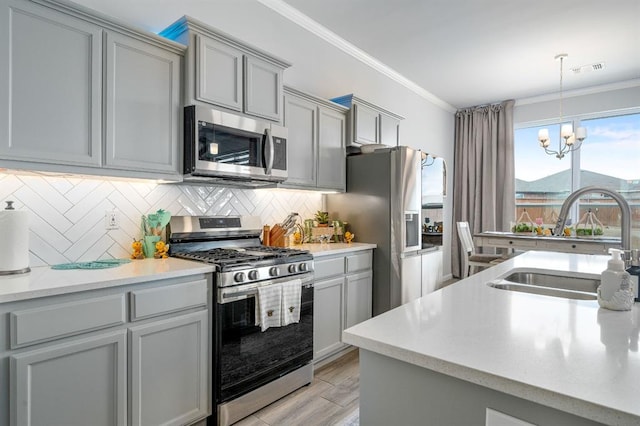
x,y
331,399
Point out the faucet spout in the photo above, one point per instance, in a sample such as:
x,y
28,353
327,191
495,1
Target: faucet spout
x,y
622,203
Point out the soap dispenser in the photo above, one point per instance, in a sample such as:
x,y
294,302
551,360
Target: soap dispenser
x,y
615,291
634,270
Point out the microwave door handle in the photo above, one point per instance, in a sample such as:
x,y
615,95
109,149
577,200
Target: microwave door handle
x,y
269,151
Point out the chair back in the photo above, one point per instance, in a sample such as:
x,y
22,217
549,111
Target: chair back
x,y
464,234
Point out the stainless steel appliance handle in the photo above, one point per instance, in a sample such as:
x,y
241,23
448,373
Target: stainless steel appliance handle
x,y
269,151
232,294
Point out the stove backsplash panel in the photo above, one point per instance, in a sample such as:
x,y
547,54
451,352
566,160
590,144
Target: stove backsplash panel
x,y
67,221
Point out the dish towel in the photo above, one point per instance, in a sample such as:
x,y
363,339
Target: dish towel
x,y
291,294
269,306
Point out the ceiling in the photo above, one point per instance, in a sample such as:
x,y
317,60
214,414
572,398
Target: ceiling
x,y
475,52
454,52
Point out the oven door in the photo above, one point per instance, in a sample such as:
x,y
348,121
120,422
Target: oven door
x,y
246,357
228,145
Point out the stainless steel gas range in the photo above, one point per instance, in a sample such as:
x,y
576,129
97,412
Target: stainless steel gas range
x,y
251,368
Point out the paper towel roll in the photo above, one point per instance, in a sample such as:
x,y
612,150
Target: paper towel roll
x,y
14,240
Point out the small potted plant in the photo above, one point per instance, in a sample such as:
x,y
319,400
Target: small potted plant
x,y
322,218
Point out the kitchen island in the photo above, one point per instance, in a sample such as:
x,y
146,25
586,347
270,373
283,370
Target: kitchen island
x,y
469,352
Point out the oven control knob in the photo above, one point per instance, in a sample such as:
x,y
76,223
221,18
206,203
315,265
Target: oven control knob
x,y
274,271
238,277
302,267
292,269
253,275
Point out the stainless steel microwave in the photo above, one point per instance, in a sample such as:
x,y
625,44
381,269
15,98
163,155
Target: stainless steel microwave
x,y
222,146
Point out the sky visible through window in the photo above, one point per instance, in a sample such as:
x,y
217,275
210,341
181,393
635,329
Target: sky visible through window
x,y
612,148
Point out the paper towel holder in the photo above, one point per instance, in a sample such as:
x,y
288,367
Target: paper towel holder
x,y
15,271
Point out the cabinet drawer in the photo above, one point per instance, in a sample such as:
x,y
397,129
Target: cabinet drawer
x,y
328,267
510,243
359,262
37,325
160,300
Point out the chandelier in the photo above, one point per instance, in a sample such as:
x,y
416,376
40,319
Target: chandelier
x,y
567,142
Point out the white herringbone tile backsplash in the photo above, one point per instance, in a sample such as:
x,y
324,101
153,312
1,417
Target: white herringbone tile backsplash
x,y
67,214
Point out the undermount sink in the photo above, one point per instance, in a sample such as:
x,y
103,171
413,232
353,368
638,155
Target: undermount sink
x,y
548,284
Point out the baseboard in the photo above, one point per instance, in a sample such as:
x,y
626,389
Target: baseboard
x,y
331,358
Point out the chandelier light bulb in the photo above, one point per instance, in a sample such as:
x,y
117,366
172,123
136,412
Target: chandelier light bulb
x,y
581,133
566,131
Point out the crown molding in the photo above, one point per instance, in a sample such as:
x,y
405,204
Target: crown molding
x,y
299,18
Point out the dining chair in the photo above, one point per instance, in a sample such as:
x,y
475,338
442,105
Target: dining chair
x,y
471,259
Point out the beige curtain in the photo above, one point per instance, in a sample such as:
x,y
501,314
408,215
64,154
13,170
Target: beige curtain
x,y
484,177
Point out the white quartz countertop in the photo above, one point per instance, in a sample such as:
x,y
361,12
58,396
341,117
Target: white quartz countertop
x,y
44,281
567,354
325,249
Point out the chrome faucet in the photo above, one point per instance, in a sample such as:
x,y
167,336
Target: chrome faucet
x,y
622,203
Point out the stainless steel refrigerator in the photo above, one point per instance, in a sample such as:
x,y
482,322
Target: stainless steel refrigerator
x,y
382,205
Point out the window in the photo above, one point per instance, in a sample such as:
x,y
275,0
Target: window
x,y
609,157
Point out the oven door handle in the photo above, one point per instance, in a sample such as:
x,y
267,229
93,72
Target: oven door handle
x,y
232,294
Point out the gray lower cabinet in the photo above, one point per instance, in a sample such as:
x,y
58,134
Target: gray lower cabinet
x,y
169,370
87,96
316,142
359,298
342,298
228,73
328,321
131,355
82,382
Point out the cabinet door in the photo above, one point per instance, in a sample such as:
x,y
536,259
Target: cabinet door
x,y
300,121
331,150
218,73
142,106
328,312
431,271
169,370
365,124
359,297
55,87
78,383
262,89
389,130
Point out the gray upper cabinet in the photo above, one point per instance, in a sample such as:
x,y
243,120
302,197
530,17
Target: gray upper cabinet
x,y
55,88
216,62
142,120
262,89
365,124
223,71
389,130
87,96
316,142
369,123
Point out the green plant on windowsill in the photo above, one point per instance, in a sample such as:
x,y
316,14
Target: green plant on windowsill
x,y
588,231
322,218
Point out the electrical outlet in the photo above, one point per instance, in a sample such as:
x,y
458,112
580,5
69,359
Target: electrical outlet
x,y
110,219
